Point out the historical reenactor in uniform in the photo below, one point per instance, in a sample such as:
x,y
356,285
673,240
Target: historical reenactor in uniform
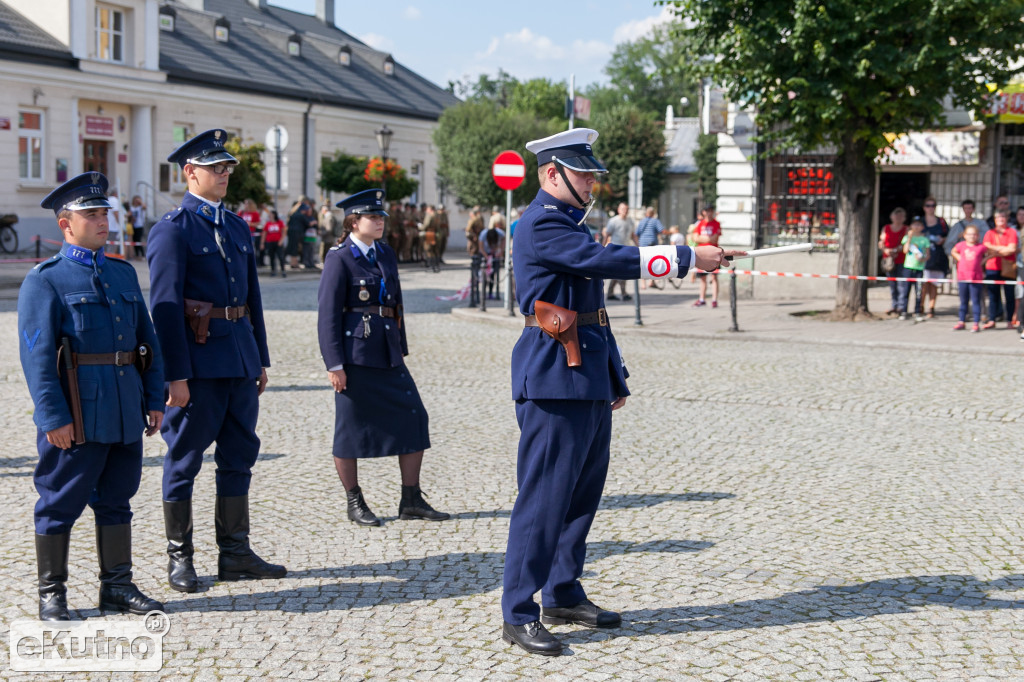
x,y
378,411
209,316
443,230
567,377
92,364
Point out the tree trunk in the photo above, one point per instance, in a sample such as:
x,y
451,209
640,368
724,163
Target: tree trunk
x,y
855,185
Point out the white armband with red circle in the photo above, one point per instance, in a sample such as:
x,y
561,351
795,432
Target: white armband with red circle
x,y
659,262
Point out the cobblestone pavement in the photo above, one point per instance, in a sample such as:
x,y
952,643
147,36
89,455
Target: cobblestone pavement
x,y
774,510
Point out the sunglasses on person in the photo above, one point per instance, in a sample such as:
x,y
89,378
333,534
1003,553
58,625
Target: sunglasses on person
x,y
929,205
220,168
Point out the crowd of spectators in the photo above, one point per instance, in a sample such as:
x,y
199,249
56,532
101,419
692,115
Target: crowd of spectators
x,y
978,253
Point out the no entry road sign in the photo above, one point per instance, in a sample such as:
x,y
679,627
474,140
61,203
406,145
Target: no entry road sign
x,y
508,170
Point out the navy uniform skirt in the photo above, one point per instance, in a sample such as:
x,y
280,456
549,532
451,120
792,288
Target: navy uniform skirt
x,y
379,414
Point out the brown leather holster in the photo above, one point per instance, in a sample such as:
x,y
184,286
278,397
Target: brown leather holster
x,y
199,314
67,357
560,324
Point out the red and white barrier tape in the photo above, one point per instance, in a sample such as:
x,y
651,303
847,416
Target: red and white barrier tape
x,y
866,278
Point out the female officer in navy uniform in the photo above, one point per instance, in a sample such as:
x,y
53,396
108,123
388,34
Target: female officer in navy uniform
x,y
378,411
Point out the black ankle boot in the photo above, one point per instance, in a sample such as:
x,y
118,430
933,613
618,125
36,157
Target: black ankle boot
x,y
358,511
413,506
52,563
117,591
181,574
237,561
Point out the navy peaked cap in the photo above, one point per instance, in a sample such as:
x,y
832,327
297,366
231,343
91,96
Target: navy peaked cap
x,y
205,149
571,148
85,191
367,202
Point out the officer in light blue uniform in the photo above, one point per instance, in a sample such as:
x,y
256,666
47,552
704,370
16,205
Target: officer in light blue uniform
x,y
83,328
208,314
564,412
378,411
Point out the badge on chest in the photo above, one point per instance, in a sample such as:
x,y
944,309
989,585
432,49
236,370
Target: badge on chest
x,y
364,295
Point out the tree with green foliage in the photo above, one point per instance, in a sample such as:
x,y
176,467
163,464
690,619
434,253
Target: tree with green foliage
x,y
652,73
630,137
343,173
539,96
350,174
842,74
470,135
247,180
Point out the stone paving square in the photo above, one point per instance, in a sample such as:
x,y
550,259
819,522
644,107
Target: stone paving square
x,y
798,501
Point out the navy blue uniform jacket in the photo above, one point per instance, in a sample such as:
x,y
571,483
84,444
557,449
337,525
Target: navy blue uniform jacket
x,y
59,298
342,340
184,262
557,261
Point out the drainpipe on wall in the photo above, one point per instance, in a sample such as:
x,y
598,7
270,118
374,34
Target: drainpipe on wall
x,y
305,148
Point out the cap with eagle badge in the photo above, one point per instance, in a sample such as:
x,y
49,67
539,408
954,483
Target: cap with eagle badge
x,y
80,193
571,148
205,149
367,202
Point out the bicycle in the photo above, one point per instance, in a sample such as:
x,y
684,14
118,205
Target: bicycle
x,y
8,235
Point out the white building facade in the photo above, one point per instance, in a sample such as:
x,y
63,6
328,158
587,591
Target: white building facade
x,y
116,85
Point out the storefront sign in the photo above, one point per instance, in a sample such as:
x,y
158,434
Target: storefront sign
x,y
99,125
1007,103
946,148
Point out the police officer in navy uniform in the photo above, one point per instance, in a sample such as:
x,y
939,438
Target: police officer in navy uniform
x,y
378,411
209,316
564,412
91,361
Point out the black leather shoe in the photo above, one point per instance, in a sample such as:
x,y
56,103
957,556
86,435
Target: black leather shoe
x,y
237,561
181,574
413,506
126,599
585,613
532,637
52,562
117,591
358,511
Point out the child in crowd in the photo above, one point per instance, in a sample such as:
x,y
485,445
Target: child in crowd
x,y
915,249
970,261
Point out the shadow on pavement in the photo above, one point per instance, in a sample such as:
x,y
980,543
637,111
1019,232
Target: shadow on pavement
x,y
821,604
624,501
443,576
652,499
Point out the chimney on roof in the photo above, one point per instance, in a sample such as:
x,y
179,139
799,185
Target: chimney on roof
x,y
258,4
325,11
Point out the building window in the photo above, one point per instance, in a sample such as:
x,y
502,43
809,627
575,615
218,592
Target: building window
x,y
294,47
389,66
30,145
109,34
345,56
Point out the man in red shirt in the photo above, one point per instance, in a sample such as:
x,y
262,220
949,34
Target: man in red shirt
x,y
708,231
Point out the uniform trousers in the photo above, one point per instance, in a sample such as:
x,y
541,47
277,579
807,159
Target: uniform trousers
x,y
563,461
103,475
224,411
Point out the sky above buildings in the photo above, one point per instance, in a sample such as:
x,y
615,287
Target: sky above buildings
x,y
455,39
